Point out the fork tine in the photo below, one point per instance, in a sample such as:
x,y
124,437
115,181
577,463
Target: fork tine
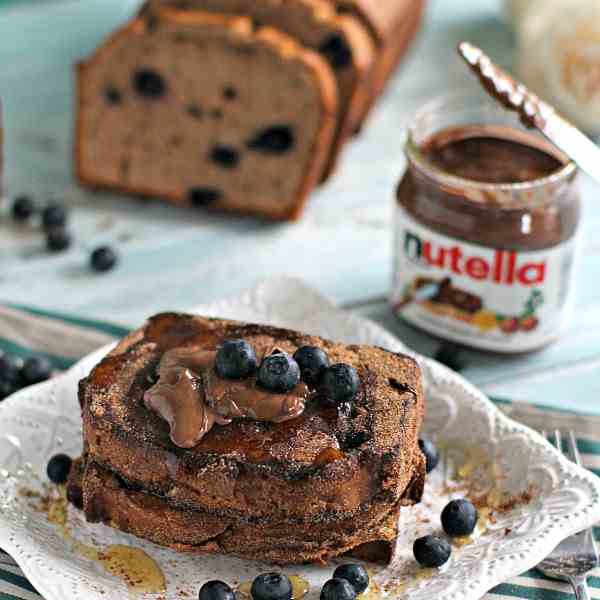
x,y
572,449
558,440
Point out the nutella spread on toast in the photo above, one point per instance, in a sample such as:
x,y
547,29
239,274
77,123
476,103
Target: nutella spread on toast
x,y
192,398
486,222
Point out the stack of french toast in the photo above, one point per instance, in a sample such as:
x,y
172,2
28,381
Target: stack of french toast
x,y
238,105
205,435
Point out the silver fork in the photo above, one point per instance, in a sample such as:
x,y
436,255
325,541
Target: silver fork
x,y
574,558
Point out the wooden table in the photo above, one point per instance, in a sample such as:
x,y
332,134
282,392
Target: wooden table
x,y
173,259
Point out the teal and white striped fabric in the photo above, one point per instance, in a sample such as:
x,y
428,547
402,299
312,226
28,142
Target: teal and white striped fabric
x,y
66,338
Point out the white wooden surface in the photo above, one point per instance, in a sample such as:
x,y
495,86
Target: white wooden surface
x,y
173,259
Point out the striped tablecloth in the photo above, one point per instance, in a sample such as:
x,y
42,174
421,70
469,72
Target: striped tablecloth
x,y
66,338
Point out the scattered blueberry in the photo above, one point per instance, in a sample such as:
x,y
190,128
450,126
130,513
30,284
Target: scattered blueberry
x,y
53,216
271,586
336,51
341,382
235,359
23,207
432,551
35,370
459,518
149,83
58,239
430,451
450,354
202,196
10,369
356,574
279,373
103,259
313,362
225,156
58,468
216,590
7,388
278,139
338,589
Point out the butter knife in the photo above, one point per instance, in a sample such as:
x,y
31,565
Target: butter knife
x,y
534,112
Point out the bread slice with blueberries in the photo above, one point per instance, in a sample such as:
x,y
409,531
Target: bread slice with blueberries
x,y
342,40
206,110
233,431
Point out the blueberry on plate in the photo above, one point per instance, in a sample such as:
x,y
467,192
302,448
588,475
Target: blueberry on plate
x,y
236,359
35,370
23,207
103,259
58,239
216,590
432,551
430,451
271,586
313,362
338,589
10,369
356,574
58,468
279,373
54,215
459,518
341,382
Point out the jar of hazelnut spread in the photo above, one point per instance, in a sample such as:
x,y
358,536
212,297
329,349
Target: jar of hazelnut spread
x,y
486,229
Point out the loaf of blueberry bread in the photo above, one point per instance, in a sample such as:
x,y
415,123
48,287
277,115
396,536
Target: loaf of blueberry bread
x,y
343,40
204,109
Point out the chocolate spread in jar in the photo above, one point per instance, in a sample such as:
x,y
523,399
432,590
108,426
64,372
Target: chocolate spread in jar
x,y
192,398
486,224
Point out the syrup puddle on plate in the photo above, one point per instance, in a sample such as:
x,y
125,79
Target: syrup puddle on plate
x,y
138,571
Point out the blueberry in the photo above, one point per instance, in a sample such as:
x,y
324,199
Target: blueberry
x,y
23,207
149,83
235,359
338,589
202,196
430,451
10,369
7,388
450,354
356,574
313,362
58,239
35,370
103,259
54,215
278,139
432,551
279,373
271,586
58,468
341,382
225,156
216,590
336,51
459,518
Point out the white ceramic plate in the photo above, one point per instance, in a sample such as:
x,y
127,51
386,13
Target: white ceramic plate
x,y
498,458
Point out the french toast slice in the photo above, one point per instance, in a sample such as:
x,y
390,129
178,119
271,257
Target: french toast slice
x,y
105,498
327,465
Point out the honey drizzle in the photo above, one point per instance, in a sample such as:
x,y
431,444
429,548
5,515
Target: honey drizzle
x,y
140,573
300,587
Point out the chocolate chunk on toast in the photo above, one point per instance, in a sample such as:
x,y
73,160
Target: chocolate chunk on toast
x,y
334,467
206,110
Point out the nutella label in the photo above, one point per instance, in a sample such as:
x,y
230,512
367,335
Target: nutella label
x,y
499,300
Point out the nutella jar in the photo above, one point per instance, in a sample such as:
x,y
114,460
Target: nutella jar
x,y
486,223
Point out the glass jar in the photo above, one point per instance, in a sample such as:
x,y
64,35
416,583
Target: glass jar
x,y
486,223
